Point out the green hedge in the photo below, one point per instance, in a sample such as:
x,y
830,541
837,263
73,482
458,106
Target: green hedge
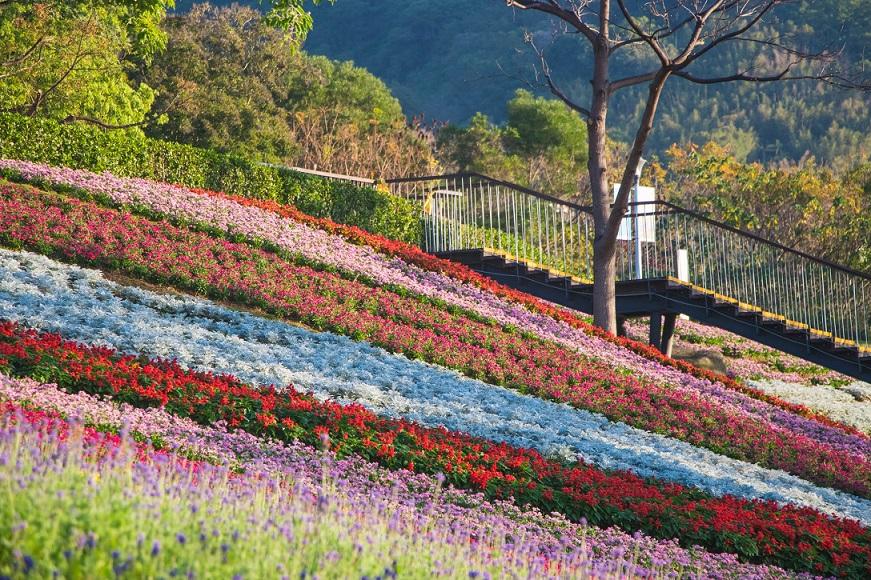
x,y
131,154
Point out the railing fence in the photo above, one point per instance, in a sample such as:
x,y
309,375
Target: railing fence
x,y
471,211
468,211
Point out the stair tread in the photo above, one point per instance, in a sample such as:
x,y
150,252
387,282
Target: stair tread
x,y
703,301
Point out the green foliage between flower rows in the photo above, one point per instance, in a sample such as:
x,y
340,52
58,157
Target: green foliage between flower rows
x,y
130,154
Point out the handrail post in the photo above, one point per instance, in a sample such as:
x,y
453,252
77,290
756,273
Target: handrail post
x,y
639,271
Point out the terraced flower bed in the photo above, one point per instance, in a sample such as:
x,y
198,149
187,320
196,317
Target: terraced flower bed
x,y
550,542
87,233
358,252
799,538
81,304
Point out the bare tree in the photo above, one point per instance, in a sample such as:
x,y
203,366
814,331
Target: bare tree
x,y
676,35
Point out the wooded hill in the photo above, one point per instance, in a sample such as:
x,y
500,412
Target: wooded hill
x,y
451,59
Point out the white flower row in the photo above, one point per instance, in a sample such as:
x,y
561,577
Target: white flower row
x,y
82,305
850,404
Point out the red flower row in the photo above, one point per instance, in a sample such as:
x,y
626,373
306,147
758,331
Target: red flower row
x,y
418,257
88,234
758,531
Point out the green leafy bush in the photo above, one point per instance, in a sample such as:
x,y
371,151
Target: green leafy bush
x,y
131,154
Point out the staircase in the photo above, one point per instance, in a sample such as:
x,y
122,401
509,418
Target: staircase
x,y
670,261
672,296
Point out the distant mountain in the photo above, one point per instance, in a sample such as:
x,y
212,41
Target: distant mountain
x,y
450,59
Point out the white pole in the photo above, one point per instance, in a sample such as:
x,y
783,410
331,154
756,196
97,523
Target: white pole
x,y
683,265
639,267
683,271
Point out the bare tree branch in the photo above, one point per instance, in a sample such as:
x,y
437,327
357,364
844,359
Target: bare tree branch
x,y
90,120
644,129
633,80
833,79
731,36
25,55
660,34
569,16
41,95
548,77
651,41
701,21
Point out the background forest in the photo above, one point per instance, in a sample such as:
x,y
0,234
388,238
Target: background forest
x,y
449,60
788,160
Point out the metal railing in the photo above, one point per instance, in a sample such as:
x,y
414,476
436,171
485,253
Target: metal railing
x,y
468,211
363,181
471,211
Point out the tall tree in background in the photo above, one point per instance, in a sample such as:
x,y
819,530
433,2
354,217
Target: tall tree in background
x,y
680,39
542,145
234,83
72,59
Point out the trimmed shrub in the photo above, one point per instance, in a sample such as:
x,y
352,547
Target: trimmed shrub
x,y
131,154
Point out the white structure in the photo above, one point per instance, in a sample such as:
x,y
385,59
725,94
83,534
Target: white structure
x,y
646,223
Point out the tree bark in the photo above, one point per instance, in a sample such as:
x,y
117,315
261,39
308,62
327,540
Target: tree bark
x,y
607,219
604,265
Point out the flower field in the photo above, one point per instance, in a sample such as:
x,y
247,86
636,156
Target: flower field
x,y
777,373
189,260
753,529
850,403
549,541
82,305
357,252
210,345
745,358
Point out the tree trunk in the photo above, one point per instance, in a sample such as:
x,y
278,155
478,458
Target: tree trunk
x,y
604,247
604,285
607,220
604,265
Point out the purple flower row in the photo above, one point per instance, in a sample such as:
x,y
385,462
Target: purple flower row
x,y
550,536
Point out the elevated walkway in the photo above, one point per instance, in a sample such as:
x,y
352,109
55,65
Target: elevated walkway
x,y
664,296
670,261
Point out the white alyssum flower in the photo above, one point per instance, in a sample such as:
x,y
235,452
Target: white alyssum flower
x,y
850,404
81,304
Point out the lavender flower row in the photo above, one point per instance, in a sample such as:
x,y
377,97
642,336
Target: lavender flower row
x,y
550,536
86,505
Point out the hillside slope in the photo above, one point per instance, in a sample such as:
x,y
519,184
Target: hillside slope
x,y
411,362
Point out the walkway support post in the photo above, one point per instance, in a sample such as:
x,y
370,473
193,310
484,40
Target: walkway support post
x,y
621,326
655,329
667,341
